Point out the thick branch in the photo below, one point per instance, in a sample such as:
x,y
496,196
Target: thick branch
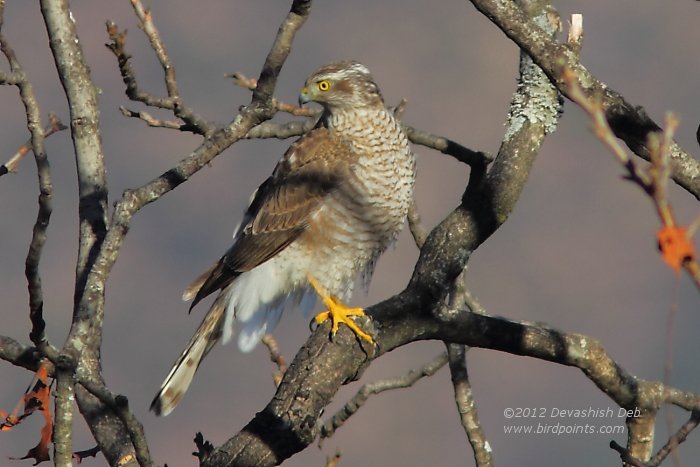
x,y
84,114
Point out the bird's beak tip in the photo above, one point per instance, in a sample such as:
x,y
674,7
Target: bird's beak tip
x,y
304,97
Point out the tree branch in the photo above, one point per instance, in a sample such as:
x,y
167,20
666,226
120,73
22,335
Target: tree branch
x,y
652,181
275,357
330,426
415,226
239,79
19,355
120,405
11,165
629,122
281,130
36,144
192,121
106,430
676,439
416,136
466,406
447,146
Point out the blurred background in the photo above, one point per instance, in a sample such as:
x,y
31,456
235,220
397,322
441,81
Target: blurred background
x,y
578,253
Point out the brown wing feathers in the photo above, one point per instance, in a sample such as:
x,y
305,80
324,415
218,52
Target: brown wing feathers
x,y
280,210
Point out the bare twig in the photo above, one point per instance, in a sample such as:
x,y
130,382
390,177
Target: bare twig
x,y
367,390
472,302
120,405
629,122
465,405
400,108
36,145
447,146
334,460
625,455
62,428
676,439
574,38
276,357
281,130
10,166
81,93
78,456
192,121
36,246
118,48
440,143
416,136
156,122
414,224
204,447
239,79
20,355
149,28
667,449
653,180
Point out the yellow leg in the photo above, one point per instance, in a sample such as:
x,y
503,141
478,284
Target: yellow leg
x,y
338,312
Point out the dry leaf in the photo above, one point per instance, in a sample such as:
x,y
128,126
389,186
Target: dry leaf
x,y
676,248
35,399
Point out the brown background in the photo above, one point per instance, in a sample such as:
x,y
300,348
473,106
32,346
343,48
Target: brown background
x,y
578,252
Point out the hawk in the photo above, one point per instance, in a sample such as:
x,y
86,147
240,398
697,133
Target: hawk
x,y
334,202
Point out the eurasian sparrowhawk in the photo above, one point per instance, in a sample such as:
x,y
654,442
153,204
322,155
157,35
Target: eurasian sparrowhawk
x,y
335,201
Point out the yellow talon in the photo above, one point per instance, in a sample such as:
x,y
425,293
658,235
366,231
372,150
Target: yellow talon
x,y
338,312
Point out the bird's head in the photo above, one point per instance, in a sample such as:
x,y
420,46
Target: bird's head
x,y
340,86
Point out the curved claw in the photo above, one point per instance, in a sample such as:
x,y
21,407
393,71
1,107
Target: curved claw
x,y
338,313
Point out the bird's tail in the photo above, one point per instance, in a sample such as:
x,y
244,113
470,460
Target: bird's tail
x,y
180,376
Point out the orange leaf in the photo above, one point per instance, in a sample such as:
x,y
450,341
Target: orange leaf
x,y
676,248
36,399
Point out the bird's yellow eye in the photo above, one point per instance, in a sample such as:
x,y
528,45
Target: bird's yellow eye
x,y
324,85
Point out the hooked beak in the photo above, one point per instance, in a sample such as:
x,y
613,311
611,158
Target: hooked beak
x,y
304,96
